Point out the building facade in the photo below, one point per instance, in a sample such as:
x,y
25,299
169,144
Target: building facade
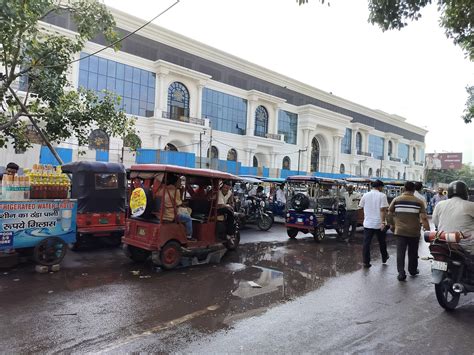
x,y
194,99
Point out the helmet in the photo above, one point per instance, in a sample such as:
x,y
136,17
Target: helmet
x,y
458,188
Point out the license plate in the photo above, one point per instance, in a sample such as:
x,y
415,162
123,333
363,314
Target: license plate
x,y
299,220
439,265
141,232
103,221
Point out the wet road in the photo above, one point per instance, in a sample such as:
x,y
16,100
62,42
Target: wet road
x,y
313,298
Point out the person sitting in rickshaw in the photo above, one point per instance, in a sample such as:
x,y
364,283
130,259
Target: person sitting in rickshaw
x,y
225,206
153,198
173,202
280,195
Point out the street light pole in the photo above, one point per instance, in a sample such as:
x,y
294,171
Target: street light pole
x,y
200,148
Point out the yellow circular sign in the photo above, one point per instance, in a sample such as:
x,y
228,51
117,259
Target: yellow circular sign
x,y
137,202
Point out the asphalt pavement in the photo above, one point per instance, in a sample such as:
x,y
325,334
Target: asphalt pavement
x,y
272,295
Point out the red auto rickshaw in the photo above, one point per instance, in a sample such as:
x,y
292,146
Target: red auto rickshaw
x,y
164,240
100,190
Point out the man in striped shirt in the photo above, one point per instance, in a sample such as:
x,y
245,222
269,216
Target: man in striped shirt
x,y
404,214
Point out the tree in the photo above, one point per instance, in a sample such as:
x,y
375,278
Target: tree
x,y
456,17
466,173
34,83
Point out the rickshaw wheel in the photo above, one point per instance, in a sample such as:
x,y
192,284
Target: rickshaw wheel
x,y
265,223
292,232
50,251
170,255
319,234
233,242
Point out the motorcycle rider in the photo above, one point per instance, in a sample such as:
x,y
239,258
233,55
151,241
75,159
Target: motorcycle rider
x,y
456,213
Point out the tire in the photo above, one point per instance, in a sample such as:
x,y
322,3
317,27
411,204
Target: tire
x,y
292,232
447,298
49,251
319,233
299,202
138,255
233,243
265,222
170,255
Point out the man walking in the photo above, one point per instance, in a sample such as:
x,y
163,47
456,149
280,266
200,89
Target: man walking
x,y
439,197
375,206
352,200
405,213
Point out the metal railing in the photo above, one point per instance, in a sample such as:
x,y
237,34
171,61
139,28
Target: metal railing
x,y
273,136
399,160
187,119
365,154
417,163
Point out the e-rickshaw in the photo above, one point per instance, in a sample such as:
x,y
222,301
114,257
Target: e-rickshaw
x,y
100,190
361,186
278,209
314,205
165,240
393,189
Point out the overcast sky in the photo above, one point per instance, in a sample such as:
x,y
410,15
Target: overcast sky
x,y
416,73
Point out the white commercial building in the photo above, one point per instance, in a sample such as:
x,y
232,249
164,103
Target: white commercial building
x,y
179,88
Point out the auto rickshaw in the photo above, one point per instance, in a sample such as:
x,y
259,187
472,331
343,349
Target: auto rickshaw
x,y
314,205
164,240
361,186
100,190
393,189
278,209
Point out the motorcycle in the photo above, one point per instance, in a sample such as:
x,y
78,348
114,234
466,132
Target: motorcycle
x,y
253,211
452,267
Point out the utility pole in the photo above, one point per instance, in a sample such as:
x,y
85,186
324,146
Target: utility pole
x,y
299,155
209,152
200,147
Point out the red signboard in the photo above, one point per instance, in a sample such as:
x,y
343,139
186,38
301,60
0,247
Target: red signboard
x,y
437,161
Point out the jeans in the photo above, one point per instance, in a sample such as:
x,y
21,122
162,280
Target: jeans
x,y
350,219
412,244
188,223
368,235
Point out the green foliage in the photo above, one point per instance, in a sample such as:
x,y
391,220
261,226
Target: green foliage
x,y
466,173
41,57
469,110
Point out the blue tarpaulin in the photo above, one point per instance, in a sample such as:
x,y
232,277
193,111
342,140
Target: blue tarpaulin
x,y
46,157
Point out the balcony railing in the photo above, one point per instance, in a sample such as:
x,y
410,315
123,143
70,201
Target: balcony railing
x,y
273,136
187,119
418,163
399,160
365,154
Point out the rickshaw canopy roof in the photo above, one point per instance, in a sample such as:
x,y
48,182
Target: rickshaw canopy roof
x,y
314,179
355,180
274,180
165,168
92,167
251,179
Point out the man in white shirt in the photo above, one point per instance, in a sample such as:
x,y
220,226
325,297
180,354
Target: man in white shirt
x,y
375,207
456,213
280,195
352,200
225,206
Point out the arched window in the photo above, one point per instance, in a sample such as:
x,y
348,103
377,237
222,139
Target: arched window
x,y
171,147
390,148
178,101
377,172
255,162
98,140
132,141
370,172
398,175
261,121
342,169
314,155
232,155
358,142
286,163
214,152
414,154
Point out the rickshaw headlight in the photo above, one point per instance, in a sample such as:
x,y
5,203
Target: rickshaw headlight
x,y
288,215
311,218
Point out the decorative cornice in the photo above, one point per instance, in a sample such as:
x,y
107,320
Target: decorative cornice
x,y
255,95
164,67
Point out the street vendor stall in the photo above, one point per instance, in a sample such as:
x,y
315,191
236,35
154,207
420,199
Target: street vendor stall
x,y
39,228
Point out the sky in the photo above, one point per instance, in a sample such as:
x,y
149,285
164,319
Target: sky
x,y
416,73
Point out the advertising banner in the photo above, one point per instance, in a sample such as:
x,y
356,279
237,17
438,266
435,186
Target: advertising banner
x,y
24,224
437,161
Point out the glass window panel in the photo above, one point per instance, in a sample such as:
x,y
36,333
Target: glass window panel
x,y
120,71
143,92
135,107
92,82
111,84
128,73
127,105
144,77
151,95
83,77
127,89
84,63
150,107
102,66
135,91
136,75
102,82
111,66
119,86
94,64
141,112
151,79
